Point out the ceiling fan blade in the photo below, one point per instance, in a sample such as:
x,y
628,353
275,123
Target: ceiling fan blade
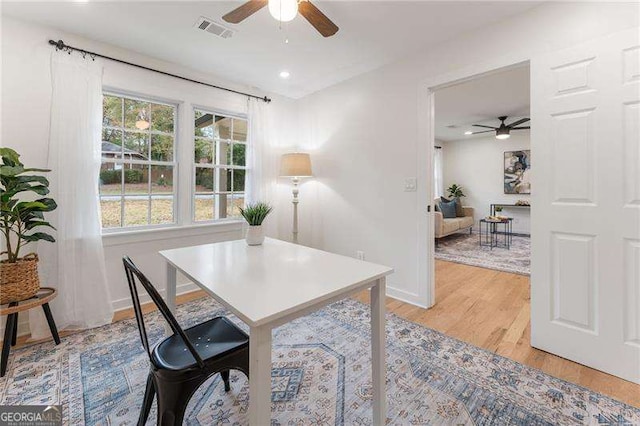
x,y
520,128
483,131
515,123
241,13
318,19
488,127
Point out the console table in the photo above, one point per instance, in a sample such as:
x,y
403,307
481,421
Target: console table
x,y
492,209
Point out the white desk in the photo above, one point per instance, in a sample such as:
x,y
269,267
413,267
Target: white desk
x,y
269,285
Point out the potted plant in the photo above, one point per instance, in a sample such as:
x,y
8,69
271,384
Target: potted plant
x,y
255,214
455,191
19,220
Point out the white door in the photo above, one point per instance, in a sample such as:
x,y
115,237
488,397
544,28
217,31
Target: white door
x,y
585,141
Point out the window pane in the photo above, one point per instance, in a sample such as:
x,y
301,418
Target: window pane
x,y
223,152
204,179
136,179
204,208
203,124
136,114
239,130
203,151
238,156
136,146
162,148
238,180
110,179
162,179
162,210
232,203
225,180
112,111
110,209
111,143
223,127
136,211
162,118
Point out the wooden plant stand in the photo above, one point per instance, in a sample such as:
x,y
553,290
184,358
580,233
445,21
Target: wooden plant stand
x,y
42,298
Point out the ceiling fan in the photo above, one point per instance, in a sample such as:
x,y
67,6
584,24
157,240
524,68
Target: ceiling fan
x,y
285,10
503,132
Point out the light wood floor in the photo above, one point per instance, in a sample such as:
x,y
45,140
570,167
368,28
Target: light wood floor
x,y
486,308
490,309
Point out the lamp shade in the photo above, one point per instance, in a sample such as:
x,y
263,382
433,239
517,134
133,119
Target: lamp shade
x,y
295,165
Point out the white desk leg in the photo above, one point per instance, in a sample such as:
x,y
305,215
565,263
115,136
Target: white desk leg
x,y
379,368
260,376
171,287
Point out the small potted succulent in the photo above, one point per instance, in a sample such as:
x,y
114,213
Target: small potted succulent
x,y
255,214
19,221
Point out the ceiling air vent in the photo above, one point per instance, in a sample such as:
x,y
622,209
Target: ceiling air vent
x,y
208,25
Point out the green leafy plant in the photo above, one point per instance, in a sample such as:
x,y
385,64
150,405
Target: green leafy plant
x,y
254,214
455,191
20,219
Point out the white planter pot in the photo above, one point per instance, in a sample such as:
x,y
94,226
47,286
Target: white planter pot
x,y
255,235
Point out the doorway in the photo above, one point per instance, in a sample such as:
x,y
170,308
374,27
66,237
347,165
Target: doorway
x,y
481,197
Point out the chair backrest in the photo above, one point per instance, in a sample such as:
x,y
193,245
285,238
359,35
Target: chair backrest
x,y
132,273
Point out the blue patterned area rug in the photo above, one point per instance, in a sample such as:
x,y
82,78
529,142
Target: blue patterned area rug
x,y
465,248
320,376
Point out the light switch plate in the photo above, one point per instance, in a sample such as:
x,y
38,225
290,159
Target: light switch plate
x,y
410,184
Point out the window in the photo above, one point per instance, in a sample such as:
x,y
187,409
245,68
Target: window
x,y
137,186
220,143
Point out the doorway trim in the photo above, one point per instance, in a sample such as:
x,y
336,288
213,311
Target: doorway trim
x,y
426,141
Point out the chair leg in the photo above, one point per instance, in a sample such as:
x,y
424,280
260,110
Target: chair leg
x,y
52,324
15,330
225,378
6,343
147,401
173,399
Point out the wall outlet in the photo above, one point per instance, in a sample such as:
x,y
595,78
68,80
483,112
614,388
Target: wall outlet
x,y
360,255
410,184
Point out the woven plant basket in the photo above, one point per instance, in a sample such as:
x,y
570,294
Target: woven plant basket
x,y
19,280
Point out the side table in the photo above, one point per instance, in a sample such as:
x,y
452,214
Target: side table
x,y
42,298
489,230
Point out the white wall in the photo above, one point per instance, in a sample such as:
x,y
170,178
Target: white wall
x,y
25,111
363,135
477,165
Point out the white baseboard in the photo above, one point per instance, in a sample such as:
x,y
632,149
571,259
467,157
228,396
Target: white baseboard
x,y
118,305
125,303
188,287
405,296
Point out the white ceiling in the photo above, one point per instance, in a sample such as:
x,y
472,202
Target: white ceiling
x,y
480,101
371,35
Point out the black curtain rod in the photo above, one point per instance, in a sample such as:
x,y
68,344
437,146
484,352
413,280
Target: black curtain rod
x,y
60,45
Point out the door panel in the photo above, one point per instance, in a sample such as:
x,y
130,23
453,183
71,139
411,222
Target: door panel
x,y
585,136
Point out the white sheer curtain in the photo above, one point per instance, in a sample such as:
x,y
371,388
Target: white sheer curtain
x,y
438,179
75,264
257,158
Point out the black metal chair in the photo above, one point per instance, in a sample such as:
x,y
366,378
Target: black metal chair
x,y
183,361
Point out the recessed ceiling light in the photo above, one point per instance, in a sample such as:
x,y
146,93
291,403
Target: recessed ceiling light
x,y
284,74
468,132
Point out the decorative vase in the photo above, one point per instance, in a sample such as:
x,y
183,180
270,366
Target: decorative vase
x,y
255,235
19,280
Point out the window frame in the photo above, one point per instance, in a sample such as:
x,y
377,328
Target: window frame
x,y
213,166
176,105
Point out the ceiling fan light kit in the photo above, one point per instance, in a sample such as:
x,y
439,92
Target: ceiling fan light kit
x,y
285,10
504,131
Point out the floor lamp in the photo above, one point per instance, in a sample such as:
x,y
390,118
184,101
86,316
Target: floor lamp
x,y
295,166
